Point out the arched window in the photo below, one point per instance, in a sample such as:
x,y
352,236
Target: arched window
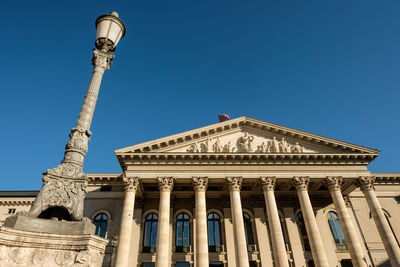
x,y
150,233
100,221
303,231
248,229
182,240
214,232
337,232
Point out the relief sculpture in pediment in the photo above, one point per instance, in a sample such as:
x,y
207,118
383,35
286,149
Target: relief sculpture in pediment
x,y
245,143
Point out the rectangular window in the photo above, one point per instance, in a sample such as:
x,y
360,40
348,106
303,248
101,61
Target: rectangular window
x,y
216,264
149,264
182,264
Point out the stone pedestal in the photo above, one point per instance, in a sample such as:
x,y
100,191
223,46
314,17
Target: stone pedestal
x,y
29,224
25,248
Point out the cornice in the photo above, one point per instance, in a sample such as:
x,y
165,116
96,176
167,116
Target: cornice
x,y
382,178
16,202
100,178
243,159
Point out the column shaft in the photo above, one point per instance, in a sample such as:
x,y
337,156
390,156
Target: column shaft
x,y
278,243
386,234
163,237
349,232
126,222
317,246
242,258
200,185
201,230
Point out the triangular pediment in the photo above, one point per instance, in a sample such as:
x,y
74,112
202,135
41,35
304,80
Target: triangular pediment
x,y
247,135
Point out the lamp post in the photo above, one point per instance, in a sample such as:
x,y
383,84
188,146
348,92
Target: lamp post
x,y
64,187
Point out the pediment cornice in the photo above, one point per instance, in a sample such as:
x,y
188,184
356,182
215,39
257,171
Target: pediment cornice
x,y
166,144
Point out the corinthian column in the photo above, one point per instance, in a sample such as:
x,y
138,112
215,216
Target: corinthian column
x,y
352,241
366,185
278,243
163,239
317,246
200,186
242,258
131,184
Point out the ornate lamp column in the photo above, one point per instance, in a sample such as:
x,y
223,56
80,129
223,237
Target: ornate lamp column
x,y
366,185
317,246
357,256
242,258
131,184
278,243
200,187
64,187
163,239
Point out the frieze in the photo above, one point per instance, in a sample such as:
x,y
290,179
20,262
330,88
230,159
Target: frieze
x,y
22,256
247,143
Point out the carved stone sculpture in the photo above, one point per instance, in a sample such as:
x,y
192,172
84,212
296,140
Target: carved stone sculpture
x,y
245,143
193,148
274,145
297,148
217,147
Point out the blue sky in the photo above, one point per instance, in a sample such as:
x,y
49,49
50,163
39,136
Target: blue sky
x,y
327,67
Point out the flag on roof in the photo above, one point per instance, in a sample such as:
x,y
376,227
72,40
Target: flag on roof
x,y
223,117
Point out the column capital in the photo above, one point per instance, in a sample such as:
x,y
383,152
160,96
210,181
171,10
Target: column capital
x,y
166,183
334,183
234,183
200,183
268,183
301,182
102,59
130,183
365,183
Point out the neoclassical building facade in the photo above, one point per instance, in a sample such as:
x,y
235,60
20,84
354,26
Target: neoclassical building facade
x,y
245,193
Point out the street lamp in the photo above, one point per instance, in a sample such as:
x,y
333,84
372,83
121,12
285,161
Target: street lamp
x,y
64,187
110,30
